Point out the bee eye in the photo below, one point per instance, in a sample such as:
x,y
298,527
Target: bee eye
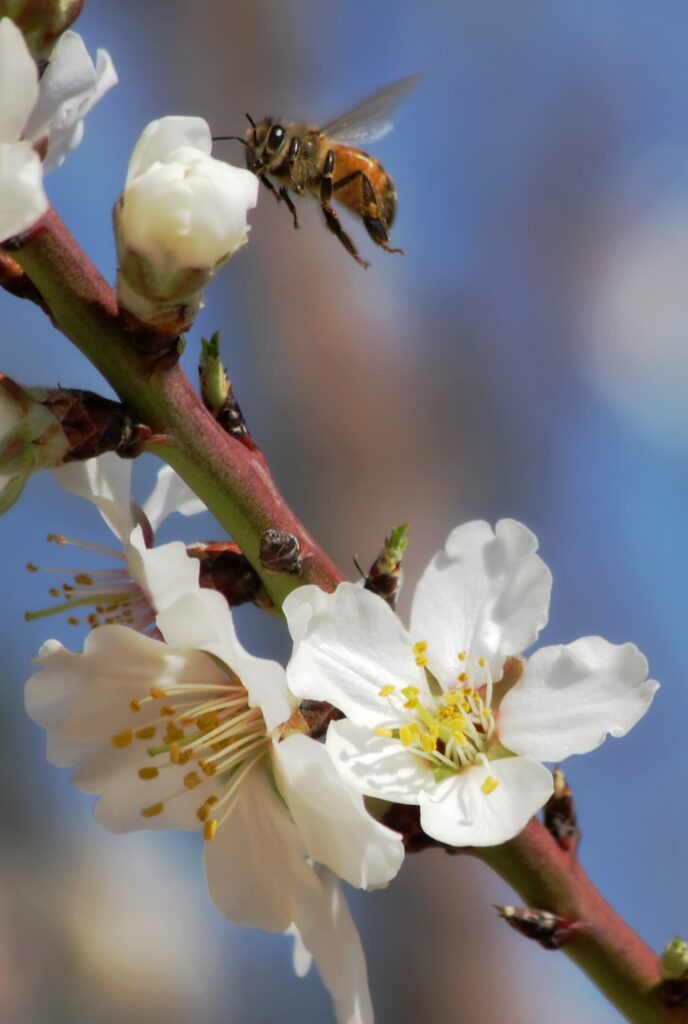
x,y
275,138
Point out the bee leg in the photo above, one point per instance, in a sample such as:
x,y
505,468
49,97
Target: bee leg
x,y
371,217
270,187
283,194
331,217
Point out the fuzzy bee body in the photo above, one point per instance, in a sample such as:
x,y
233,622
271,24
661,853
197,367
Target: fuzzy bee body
x,y
304,159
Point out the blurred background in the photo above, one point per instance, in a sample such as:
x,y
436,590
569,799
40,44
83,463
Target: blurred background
x,y
526,358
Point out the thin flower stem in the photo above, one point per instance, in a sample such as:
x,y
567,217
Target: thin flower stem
x,y
234,484
620,964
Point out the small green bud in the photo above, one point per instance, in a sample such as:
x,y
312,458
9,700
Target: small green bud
x,y
215,386
673,963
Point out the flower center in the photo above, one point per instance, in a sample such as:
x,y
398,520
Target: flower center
x,y
207,739
448,728
111,594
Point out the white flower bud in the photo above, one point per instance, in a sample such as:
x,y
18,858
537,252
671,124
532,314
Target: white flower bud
x,y
31,438
182,214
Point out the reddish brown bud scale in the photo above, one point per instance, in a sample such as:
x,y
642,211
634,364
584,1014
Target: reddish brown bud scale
x,y
93,424
225,568
280,552
550,930
559,814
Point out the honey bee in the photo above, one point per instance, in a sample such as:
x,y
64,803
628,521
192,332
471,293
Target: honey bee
x,y
302,158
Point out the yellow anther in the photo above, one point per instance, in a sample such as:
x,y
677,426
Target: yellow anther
x,y
410,691
192,780
460,737
167,710
209,769
185,756
428,742
148,773
422,660
153,810
463,677
482,662
147,733
208,721
209,829
381,731
386,690
175,753
489,785
134,705
157,693
409,734
420,647
462,656
31,567
122,739
411,703
72,620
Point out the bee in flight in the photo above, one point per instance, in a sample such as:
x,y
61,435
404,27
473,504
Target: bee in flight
x,y
326,163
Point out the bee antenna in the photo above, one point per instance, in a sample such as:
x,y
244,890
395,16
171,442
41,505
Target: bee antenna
x,y
251,121
230,138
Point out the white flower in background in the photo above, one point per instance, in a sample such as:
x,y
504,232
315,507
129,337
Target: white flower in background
x,y
46,116
22,199
148,578
443,716
69,88
182,214
181,734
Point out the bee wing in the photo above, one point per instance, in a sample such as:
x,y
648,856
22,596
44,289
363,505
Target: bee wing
x,y
373,118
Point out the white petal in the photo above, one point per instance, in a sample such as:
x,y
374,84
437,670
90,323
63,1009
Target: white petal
x,y
169,495
570,697
331,817
486,593
105,481
18,82
69,88
22,198
347,646
255,866
458,812
332,938
164,573
376,765
203,620
161,138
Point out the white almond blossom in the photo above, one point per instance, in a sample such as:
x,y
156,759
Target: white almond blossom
x,y
443,716
182,214
184,734
146,579
41,117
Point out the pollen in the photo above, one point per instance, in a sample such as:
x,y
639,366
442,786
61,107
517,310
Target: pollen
x,y
387,690
192,780
463,678
209,829
409,733
148,773
482,662
422,660
122,739
420,647
135,705
462,656
489,785
147,733
157,693
153,810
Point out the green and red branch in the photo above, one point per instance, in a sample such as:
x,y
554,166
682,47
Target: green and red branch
x,y
237,488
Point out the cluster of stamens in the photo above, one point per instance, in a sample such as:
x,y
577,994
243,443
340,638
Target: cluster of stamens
x,y
111,593
203,733
453,728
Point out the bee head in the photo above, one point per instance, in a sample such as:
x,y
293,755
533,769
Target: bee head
x,y
263,140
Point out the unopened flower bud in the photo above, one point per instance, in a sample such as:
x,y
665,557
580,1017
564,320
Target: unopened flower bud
x,y
550,930
181,216
42,428
673,963
41,21
31,438
384,577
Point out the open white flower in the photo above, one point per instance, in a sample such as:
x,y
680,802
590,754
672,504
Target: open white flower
x,y
46,116
147,579
182,214
443,716
181,734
